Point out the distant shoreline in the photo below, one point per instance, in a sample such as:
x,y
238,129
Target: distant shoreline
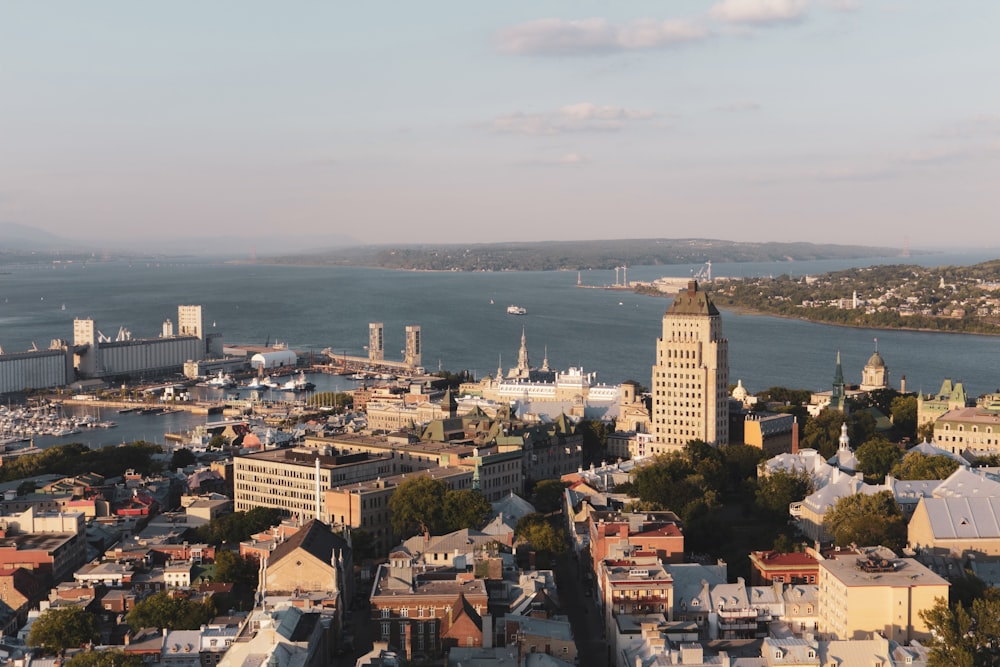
x,y
744,310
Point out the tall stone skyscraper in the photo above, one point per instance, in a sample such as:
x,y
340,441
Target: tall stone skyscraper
x,y
691,376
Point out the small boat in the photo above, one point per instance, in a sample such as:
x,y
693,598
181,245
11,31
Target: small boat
x,y
221,381
299,383
516,310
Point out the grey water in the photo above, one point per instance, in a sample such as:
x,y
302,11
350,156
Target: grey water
x,y
464,321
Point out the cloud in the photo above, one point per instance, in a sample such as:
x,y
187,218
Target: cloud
x,y
842,5
571,159
582,117
759,12
739,107
561,37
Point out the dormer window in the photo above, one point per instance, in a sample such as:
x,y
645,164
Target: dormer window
x,y
694,602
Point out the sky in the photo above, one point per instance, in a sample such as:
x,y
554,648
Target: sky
x,y
828,121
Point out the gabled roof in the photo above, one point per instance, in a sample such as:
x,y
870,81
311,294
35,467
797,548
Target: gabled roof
x,y
513,507
963,518
965,483
461,608
929,449
315,538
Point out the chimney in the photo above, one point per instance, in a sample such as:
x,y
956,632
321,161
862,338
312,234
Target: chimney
x,y
795,435
902,385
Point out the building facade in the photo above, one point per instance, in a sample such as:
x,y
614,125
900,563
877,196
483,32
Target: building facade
x,y
860,596
690,383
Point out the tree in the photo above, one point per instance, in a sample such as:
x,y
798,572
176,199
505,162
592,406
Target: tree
x,y
238,526
547,496
60,628
780,489
162,610
823,431
465,508
231,567
427,505
867,520
964,636
916,465
106,658
876,458
182,458
417,506
540,534
904,415
595,440
740,466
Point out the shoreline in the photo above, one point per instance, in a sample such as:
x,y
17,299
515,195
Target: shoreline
x,y
744,310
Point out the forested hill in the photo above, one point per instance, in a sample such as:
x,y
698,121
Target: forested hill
x,y
574,255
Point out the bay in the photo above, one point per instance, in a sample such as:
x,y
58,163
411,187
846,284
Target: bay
x,y
612,333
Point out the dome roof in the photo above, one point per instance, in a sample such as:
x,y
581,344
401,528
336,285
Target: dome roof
x,y
876,361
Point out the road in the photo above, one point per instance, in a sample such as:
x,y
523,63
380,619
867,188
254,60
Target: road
x,y
584,616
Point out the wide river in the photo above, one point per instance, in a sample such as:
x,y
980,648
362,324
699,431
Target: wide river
x,y
464,320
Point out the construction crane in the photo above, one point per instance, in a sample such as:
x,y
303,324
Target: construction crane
x,y
704,273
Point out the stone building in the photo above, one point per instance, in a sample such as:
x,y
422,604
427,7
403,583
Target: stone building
x,y
690,383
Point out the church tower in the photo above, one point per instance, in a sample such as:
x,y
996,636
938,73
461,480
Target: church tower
x,y
875,374
838,396
691,376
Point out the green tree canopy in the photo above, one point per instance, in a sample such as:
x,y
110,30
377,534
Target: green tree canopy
x,y
822,432
965,636
540,534
465,508
867,520
904,416
876,458
417,506
916,465
162,610
106,658
60,628
231,567
780,489
547,496
424,504
595,440
238,526
182,458
76,458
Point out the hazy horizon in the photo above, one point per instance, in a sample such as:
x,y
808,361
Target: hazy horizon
x,y
827,121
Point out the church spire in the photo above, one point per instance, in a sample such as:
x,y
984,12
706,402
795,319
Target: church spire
x,y
838,395
523,365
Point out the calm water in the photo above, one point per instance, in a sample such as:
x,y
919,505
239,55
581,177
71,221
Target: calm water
x,y
613,333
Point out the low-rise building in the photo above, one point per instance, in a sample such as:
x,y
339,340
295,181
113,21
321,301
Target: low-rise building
x,y
767,567
975,428
863,595
424,610
365,505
